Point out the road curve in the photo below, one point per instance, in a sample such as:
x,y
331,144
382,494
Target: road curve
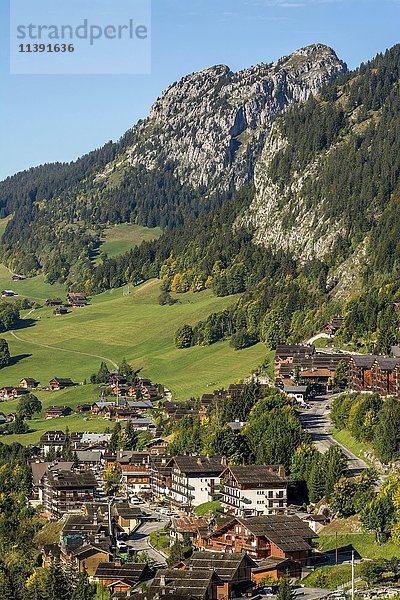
x,y
317,422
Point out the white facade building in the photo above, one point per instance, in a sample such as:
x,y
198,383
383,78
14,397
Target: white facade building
x,y
254,490
194,480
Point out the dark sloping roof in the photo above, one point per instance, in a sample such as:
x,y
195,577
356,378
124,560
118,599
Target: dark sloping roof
x,y
60,479
288,532
364,362
40,468
92,548
126,511
189,524
271,563
128,571
198,464
387,364
183,584
81,524
257,475
224,564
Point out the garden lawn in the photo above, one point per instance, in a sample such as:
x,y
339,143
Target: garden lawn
x,y
208,508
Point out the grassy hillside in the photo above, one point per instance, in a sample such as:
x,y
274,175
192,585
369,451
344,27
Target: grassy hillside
x,y
34,287
121,238
133,326
75,422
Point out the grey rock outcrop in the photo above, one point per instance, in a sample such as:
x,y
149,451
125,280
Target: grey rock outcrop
x,y
212,125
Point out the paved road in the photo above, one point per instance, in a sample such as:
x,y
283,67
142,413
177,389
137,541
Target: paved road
x,y
317,421
140,540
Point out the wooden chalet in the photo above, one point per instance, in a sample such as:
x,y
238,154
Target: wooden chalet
x,y
277,536
189,584
135,468
54,302
6,392
378,374
178,410
117,577
310,366
16,277
19,391
102,406
333,326
233,570
77,299
54,412
83,408
28,383
65,491
59,383
189,528
60,311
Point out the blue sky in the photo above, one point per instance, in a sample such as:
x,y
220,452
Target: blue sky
x,y
47,118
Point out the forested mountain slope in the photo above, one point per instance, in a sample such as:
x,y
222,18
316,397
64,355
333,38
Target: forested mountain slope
x,y
326,182
198,145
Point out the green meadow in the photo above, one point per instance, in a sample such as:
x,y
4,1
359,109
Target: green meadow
x,y
34,287
75,422
127,323
121,238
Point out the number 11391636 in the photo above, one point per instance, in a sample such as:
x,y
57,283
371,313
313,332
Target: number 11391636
x,y
39,48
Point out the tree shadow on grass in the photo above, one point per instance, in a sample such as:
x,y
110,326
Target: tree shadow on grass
x,y
24,323
17,358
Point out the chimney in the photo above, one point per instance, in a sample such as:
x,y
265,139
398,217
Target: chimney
x,y
162,581
117,561
97,539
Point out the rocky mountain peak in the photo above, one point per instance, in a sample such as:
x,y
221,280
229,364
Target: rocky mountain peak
x,y
211,125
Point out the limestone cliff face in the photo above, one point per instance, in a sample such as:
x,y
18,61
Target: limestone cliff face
x,y
211,126
305,232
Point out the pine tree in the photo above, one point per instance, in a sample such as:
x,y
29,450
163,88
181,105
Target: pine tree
x,y
84,590
316,481
285,590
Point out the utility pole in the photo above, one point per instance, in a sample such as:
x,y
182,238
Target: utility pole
x,y
337,550
352,575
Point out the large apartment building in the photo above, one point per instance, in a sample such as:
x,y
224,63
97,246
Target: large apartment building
x,y
194,479
254,490
65,491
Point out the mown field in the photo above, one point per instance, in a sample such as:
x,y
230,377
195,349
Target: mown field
x,y
135,327
124,237
75,422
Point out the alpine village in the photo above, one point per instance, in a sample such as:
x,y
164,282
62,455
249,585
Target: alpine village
x,y
200,346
